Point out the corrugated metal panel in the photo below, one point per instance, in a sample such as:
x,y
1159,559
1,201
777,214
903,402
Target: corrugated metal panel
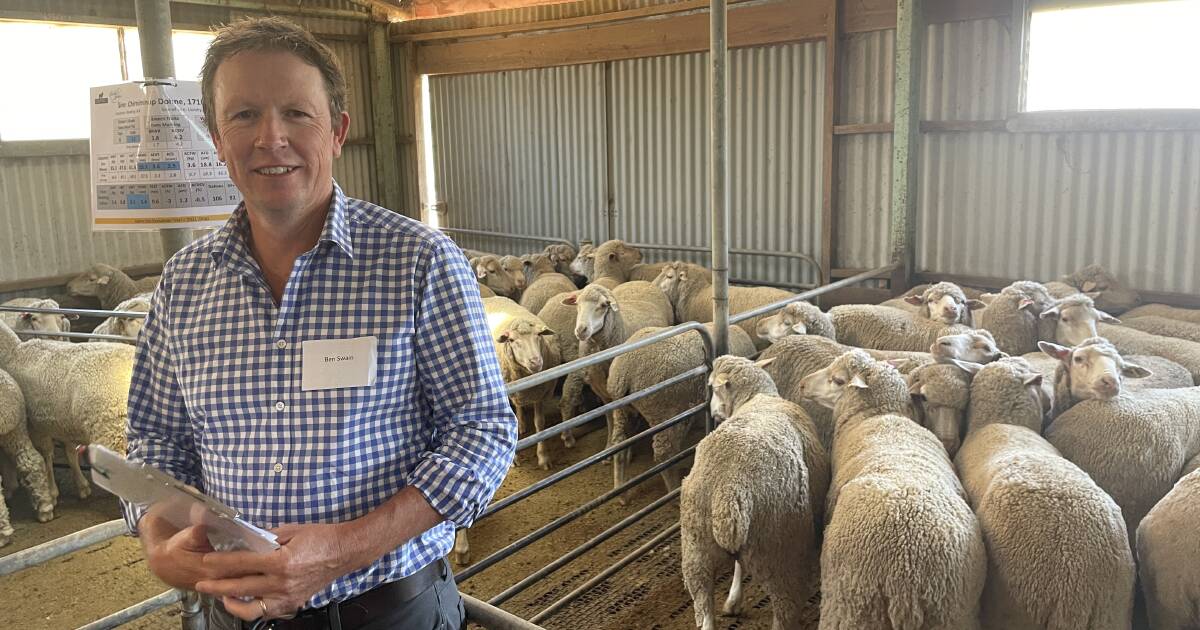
x,y
521,152
867,78
406,129
355,171
864,199
357,68
45,211
184,15
660,154
526,14
967,71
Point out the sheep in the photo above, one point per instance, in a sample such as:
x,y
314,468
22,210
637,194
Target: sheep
x,y
584,264
942,392
691,295
1058,550
19,450
544,283
884,328
125,326
110,284
560,317
902,548
976,346
613,262
1012,317
797,318
755,493
1162,310
1168,551
945,302
1165,327
1101,285
74,393
501,279
41,322
561,256
645,367
1133,444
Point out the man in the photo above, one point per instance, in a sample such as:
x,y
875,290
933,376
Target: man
x,y
320,364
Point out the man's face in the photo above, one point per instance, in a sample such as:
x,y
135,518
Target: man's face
x,y
274,131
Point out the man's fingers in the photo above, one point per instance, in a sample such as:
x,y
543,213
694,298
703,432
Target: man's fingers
x,y
256,585
239,563
247,611
194,538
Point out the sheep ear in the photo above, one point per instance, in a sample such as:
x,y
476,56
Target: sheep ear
x,y
1133,370
1106,318
1092,294
546,331
103,280
1033,379
1050,313
858,382
799,328
1025,304
975,305
612,256
765,362
987,298
915,388
1054,350
1004,355
967,366
570,300
915,300
1089,286
897,363
504,337
480,273
614,307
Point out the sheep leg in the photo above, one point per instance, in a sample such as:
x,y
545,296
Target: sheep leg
x,y
6,530
539,424
45,446
462,547
8,470
521,430
701,558
785,583
568,406
667,444
81,482
29,466
621,458
733,603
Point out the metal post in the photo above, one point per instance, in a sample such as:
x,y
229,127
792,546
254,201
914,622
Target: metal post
x,y
719,197
158,62
383,111
906,141
191,613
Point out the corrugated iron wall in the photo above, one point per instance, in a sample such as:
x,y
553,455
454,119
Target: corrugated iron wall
x,y
521,152
46,199
524,15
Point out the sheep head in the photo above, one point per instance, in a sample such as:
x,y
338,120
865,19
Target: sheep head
x,y
1093,370
1077,316
976,346
522,342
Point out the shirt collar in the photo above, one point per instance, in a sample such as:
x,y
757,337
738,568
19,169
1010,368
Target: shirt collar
x,y
231,237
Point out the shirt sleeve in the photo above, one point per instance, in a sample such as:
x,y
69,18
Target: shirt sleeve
x,y
159,430
476,430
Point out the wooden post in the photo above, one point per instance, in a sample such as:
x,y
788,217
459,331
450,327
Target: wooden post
x,y
383,118
418,102
829,148
910,31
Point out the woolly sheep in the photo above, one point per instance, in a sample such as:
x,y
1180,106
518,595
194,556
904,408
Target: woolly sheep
x,y
883,328
976,346
74,393
1168,550
561,256
1058,550
19,450
1101,285
560,317
645,367
1012,317
902,548
125,326
585,262
755,493
617,261
944,302
1165,327
1162,310
691,295
797,318
496,276
41,322
544,283
942,392
110,284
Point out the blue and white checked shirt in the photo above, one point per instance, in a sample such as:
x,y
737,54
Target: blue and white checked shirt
x,y
216,399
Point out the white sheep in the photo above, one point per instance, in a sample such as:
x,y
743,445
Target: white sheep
x,y
126,326
584,264
111,285
755,493
19,451
1165,327
902,548
1099,284
1133,444
941,392
560,317
645,367
563,257
1168,551
544,283
797,318
1191,315
74,393
616,261
885,328
976,346
41,322
1012,317
499,277
945,302
1058,550
690,290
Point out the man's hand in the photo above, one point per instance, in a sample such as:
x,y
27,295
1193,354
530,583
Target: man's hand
x,y
175,556
309,559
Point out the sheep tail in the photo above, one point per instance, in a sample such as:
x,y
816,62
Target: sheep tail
x,y
730,506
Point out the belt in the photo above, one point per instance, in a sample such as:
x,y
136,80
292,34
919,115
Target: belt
x,y
360,609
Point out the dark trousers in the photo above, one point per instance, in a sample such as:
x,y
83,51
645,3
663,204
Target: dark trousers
x,y
439,607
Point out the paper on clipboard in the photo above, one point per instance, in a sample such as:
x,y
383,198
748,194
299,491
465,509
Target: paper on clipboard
x,y
179,503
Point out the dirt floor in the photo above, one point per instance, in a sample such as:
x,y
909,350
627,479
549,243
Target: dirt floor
x,y
74,590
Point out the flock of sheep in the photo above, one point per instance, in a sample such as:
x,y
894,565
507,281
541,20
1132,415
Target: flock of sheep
x,y
948,459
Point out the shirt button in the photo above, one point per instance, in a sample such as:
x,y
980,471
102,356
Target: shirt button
x,y
281,344
279,406
277,467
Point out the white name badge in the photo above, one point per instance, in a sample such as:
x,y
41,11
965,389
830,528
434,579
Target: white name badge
x,y
337,363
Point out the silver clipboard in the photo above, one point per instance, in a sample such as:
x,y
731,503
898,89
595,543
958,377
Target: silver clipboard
x,y
179,503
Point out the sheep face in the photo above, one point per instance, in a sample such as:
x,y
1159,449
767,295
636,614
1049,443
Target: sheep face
x,y
946,303
584,263
721,404
561,256
43,322
1095,369
515,268
1077,317
977,346
826,385
594,306
523,344
671,278
788,321
89,283
490,272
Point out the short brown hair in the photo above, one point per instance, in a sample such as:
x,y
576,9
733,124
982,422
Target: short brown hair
x,y
270,34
